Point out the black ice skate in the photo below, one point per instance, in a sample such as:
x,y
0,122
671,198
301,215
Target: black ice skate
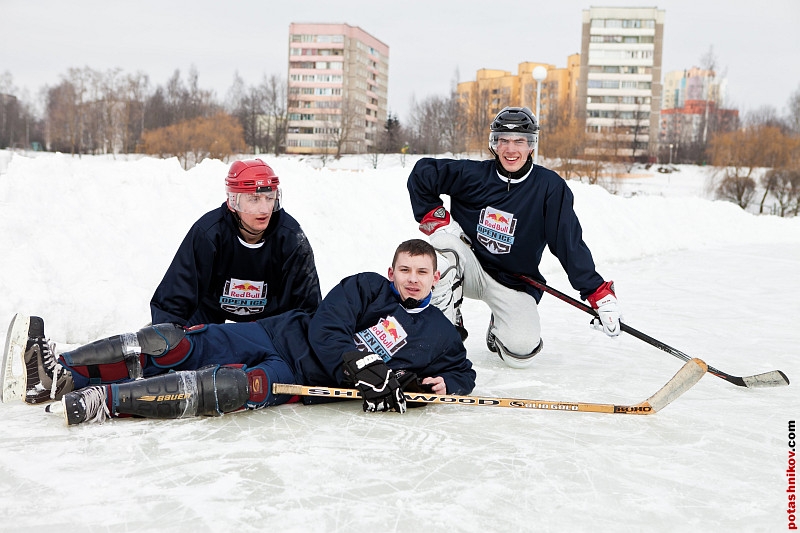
x,y
86,405
45,379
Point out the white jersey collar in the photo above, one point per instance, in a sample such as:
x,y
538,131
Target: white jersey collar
x,y
246,244
514,180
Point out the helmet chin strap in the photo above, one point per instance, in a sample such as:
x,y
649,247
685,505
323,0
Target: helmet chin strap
x,y
245,229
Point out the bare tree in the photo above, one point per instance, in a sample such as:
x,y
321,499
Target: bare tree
x,y
341,128
68,114
478,117
10,131
178,102
793,115
784,184
566,144
135,89
248,106
436,125
277,111
738,189
738,155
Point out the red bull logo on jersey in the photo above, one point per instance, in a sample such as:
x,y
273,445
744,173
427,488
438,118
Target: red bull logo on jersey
x,y
384,338
496,230
244,297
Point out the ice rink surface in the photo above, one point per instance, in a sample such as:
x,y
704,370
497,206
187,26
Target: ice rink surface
x,y
714,460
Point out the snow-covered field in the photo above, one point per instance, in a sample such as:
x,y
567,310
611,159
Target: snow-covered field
x,y
84,241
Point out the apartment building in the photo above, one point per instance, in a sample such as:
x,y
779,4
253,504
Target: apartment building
x,y
619,91
692,110
492,90
338,87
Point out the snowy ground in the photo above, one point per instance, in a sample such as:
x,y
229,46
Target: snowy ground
x,y
85,241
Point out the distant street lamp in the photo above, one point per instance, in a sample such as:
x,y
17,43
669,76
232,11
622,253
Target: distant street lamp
x,y
670,153
539,74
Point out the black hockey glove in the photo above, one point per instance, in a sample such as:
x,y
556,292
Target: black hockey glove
x,y
376,382
409,382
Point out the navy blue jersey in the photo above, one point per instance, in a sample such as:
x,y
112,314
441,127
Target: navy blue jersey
x,y
364,312
509,221
215,276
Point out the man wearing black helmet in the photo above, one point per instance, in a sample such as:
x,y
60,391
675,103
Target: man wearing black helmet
x,y
245,260
503,212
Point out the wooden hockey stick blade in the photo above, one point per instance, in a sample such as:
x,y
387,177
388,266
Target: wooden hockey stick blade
x,y
687,376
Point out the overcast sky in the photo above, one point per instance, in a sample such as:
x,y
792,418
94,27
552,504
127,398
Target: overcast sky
x,y
431,43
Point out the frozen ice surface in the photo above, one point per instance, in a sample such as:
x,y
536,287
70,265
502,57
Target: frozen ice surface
x,y
85,241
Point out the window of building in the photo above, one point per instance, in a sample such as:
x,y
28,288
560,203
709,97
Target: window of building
x,y
623,23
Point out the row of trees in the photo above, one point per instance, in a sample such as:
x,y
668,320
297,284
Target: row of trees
x,y
93,112
741,158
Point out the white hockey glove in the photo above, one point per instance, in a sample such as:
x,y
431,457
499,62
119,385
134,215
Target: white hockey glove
x,y
604,301
439,221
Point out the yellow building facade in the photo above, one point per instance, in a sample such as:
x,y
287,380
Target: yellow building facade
x,y
492,90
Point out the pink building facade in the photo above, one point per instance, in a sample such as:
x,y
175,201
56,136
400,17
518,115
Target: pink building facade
x,y
338,81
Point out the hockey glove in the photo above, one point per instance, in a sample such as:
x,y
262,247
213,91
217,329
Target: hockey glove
x,y
376,382
409,382
439,221
604,301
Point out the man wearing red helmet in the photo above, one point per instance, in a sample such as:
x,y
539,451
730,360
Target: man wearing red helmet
x,y
503,213
246,260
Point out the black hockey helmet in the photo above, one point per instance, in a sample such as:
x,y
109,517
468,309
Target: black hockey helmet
x,y
516,122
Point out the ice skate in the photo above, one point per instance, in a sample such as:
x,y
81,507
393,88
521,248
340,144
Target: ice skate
x,y
86,405
45,379
16,349
491,340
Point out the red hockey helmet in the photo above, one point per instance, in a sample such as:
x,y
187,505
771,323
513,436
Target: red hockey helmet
x,y
251,177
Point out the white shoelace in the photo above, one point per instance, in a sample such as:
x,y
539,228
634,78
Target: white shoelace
x,y
54,387
96,408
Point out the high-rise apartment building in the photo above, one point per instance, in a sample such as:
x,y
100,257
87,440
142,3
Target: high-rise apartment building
x,y
619,92
338,86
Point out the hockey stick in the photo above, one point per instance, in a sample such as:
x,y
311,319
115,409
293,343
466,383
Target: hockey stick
x,y
687,376
774,378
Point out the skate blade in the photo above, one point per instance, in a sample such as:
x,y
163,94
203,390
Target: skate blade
x,y
56,408
13,384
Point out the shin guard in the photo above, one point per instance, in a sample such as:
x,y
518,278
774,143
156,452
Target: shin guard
x,y
120,357
210,391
